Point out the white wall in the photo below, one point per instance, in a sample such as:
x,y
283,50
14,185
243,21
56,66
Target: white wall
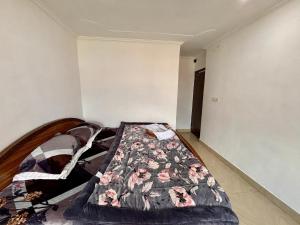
x,y
185,92
128,80
201,60
256,122
187,69
39,79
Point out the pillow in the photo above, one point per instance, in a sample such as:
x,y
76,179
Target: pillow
x,y
56,158
83,132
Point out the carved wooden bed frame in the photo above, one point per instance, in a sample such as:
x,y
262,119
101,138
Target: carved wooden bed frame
x,y
15,153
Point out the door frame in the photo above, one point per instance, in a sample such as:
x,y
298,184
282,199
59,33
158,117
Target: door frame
x,y
197,132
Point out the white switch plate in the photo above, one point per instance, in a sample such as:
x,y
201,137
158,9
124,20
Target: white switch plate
x,y
214,99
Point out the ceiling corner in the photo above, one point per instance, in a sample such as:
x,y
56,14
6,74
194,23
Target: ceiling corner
x,y
53,16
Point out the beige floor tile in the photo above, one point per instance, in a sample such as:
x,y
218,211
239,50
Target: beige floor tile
x,y
252,207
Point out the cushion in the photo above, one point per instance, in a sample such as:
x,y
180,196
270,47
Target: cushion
x,y
83,132
56,158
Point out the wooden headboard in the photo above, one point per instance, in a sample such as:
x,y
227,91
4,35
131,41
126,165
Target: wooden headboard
x,y
14,154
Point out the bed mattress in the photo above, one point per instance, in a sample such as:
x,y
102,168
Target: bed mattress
x,y
147,181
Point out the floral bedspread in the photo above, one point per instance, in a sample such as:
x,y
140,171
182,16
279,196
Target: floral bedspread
x,y
147,174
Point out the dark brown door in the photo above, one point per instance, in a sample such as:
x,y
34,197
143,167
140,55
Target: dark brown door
x,y
197,102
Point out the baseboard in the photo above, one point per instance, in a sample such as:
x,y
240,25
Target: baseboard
x,y
270,196
183,130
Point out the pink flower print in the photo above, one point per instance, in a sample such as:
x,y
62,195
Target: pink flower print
x,y
142,175
151,145
135,129
137,146
146,140
160,154
132,181
152,164
193,175
109,198
180,197
164,176
204,170
197,171
138,178
106,178
175,137
211,182
172,145
119,155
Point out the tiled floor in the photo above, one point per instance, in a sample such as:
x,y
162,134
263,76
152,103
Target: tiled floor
x,y
252,207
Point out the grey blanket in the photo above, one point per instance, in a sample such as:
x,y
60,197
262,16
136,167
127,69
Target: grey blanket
x,y
150,177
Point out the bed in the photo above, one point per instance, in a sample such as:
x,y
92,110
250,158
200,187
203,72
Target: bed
x,y
147,181
44,201
139,180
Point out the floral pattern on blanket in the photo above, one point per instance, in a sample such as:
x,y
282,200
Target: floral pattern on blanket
x,y
146,173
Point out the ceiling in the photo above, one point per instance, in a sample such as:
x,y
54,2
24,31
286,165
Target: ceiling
x,y
197,23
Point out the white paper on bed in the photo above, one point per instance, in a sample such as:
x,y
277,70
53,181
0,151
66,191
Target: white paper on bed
x,y
164,135
155,127
160,131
